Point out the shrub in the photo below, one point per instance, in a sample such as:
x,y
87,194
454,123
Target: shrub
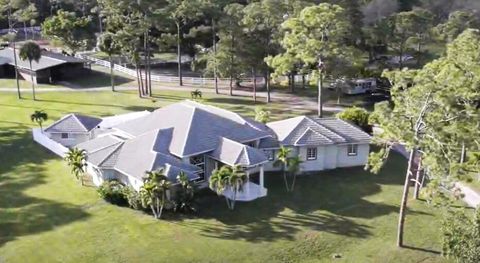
x,y
357,116
461,236
113,192
133,198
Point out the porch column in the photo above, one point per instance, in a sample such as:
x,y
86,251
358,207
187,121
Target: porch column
x,y
248,180
261,175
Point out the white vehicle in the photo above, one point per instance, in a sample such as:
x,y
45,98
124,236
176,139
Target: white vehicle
x,y
360,86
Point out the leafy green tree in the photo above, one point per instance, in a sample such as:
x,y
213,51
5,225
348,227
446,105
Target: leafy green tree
x,y
316,36
227,177
76,159
294,164
357,116
434,110
70,30
39,116
154,191
25,13
133,198
457,22
31,51
262,115
182,12
108,44
461,236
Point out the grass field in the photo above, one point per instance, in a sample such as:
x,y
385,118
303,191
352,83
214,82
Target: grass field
x,y
46,216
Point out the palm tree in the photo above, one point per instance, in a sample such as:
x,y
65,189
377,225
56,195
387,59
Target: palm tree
x,y
109,46
236,180
154,191
187,193
293,168
39,116
196,94
31,51
228,178
76,160
282,159
218,181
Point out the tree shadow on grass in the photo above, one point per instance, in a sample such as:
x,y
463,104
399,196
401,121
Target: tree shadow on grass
x,y
330,201
22,168
95,79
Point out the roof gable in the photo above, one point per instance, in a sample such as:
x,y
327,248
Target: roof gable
x,y
311,137
74,123
233,153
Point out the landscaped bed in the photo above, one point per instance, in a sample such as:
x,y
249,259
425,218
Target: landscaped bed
x,y
46,216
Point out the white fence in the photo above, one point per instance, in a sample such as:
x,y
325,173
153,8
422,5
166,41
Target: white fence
x,y
194,81
48,143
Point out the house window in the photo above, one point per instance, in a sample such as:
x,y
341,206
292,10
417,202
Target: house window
x,y
199,161
352,149
64,135
270,154
311,153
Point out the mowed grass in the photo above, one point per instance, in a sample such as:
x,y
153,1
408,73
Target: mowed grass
x,y
46,216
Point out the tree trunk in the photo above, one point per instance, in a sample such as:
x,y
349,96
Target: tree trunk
x,y
285,177
147,58
303,81
403,205
153,211
214,45
179,55
254,75
267,85
320,89
33,83
416,192
138,81
293,182
112,74
16,70
232,61
25,31
228,202
292,83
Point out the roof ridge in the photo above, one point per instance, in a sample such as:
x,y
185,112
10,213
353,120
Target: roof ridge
x,y
327,128
114,150
189,126
78,120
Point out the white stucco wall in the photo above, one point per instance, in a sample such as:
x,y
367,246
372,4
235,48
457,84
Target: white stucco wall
x,y
331,152
73,138
312,165
344,160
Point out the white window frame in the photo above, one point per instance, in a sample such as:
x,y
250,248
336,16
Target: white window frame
x,y
352,149
270,154
311,153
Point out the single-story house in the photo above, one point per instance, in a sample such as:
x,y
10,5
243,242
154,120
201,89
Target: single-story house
x,y
197,139
50,68
73,129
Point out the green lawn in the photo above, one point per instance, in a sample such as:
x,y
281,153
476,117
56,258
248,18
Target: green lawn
x,y
46,216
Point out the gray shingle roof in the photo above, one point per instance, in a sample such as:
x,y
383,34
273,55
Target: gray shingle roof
x,y
234,153
268,143
48,60
349,131
74,123
315,131
143,153
102,151
196,127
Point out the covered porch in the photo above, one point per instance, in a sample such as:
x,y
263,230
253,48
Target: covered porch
x,y
250,159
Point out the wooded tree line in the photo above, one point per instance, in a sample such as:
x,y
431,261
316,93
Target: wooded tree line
x,y
235,39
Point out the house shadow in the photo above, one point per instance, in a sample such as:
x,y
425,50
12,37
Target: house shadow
x,y
329,202
22,168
